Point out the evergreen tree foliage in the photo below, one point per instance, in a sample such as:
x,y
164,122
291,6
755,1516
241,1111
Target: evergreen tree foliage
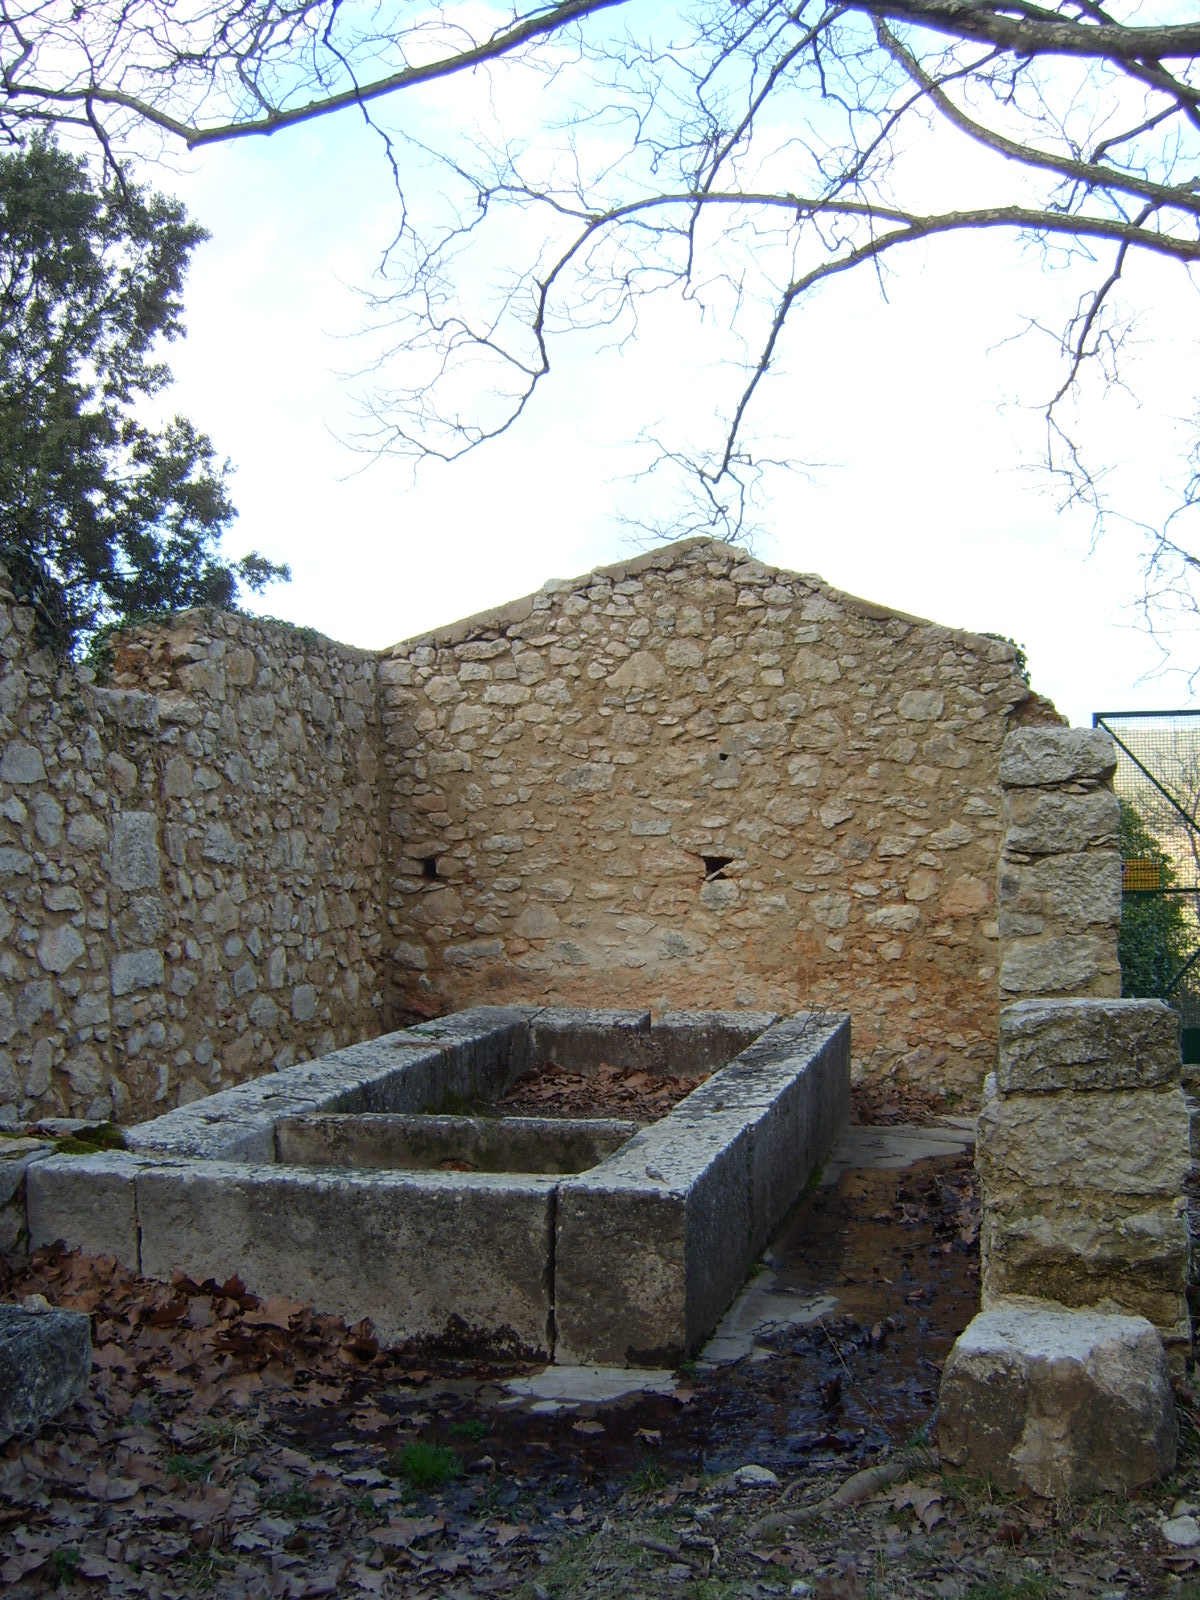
x,y
1154,940
102,516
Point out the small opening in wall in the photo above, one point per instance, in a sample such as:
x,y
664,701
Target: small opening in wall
x,y
724,756
429,867
714,866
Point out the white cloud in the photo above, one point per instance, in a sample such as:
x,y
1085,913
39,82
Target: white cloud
x,y
922,505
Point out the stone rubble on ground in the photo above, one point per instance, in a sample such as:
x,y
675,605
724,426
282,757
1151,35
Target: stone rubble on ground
x,y
1182,1531
45,1362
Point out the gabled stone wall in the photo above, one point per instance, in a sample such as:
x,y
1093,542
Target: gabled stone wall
x,y
189,863
693,780
688,781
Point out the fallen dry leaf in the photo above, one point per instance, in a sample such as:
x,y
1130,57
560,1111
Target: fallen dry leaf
x,y
401,1532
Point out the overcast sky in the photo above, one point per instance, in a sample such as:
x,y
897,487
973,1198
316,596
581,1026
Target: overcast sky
x,y
926,497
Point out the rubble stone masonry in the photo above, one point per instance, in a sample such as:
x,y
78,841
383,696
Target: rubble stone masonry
x,y
189,863
694,780
690,780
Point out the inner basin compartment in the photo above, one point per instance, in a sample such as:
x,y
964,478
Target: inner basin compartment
x,y
449,1143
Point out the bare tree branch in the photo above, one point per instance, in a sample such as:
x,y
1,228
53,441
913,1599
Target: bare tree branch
x,y
734,154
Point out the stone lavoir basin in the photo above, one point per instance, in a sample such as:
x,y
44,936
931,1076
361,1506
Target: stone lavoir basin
x,y
355,1181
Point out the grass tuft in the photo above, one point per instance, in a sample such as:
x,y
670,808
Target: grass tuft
x,y
426,1466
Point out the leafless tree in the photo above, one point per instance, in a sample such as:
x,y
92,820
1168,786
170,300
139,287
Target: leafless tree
x,y
736,152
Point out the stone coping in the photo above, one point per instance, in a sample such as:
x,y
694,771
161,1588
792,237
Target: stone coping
x,y
661,558
433,1143
635,1258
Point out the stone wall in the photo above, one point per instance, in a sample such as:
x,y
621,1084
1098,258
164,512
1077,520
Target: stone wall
x,y
693,780
190,877
690,780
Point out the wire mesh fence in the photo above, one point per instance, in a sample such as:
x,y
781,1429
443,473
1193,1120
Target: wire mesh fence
x,y
1158,784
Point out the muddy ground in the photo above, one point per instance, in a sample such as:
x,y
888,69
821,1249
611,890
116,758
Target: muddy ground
x,y
245,1448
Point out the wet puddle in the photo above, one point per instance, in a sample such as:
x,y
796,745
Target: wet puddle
x,y
895,1251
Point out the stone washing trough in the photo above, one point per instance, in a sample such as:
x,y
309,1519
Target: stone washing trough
x,y
577,1241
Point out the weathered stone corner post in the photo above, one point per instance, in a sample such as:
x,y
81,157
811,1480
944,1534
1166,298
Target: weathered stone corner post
x,y
1083,1157
1058,884
1062,1384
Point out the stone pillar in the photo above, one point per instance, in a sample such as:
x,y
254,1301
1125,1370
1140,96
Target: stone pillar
x,y
1083,1149
1083,1156
1059,880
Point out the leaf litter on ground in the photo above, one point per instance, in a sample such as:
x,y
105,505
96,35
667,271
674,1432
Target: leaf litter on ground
x,y
548,1090
248,1446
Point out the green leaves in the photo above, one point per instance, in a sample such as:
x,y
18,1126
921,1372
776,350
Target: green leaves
x,y
101,515
1154,940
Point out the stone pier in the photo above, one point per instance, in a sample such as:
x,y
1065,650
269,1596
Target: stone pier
x,y
1061,1384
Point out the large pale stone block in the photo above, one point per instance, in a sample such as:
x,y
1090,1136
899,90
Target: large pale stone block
x,y
451,1256
219,1127
22,763
1050,1045
687,1042
641,670
701,1192
1062,893
137,969
1042,823
483,1050
16,1156
45,1363
1040,757
239,1124
581,1040
651,1248
1113,1143
135,860
59,948
794,1117
1089,1251
128,708
87,1201
473,1144
1058,1402
1063,964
